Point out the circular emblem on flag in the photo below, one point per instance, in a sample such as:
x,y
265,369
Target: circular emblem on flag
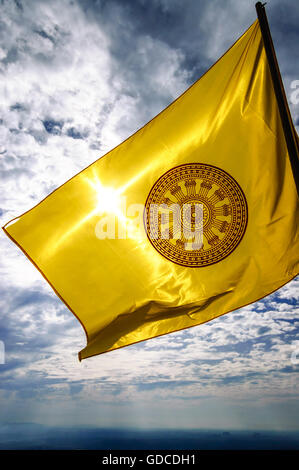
x,y
195,215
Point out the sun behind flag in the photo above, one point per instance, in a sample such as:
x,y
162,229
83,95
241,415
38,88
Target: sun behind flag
x,y
108,241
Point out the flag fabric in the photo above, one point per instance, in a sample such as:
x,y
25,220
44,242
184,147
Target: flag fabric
x,y
127,273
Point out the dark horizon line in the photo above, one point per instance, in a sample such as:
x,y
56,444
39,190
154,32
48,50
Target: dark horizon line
x,y
145,429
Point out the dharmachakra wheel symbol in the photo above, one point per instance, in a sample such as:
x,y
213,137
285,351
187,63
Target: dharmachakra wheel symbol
x,y
224,214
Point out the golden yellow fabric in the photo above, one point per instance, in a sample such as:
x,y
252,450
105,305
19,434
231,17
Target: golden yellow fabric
x,y
123,291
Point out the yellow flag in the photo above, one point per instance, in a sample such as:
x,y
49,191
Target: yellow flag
x,y
111,244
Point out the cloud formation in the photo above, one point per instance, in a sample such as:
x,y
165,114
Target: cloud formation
x,y
76,79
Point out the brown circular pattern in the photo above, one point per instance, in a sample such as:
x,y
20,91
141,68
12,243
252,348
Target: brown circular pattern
x,y
224,209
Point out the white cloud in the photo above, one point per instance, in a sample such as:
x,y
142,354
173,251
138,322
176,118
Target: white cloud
x,y
66,98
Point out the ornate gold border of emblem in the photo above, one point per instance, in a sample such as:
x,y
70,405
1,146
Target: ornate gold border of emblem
x,y
224,206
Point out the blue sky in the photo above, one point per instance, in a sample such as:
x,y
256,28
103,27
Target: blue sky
x,y
77,78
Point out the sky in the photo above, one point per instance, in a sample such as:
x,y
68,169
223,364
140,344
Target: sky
x,y
76,79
